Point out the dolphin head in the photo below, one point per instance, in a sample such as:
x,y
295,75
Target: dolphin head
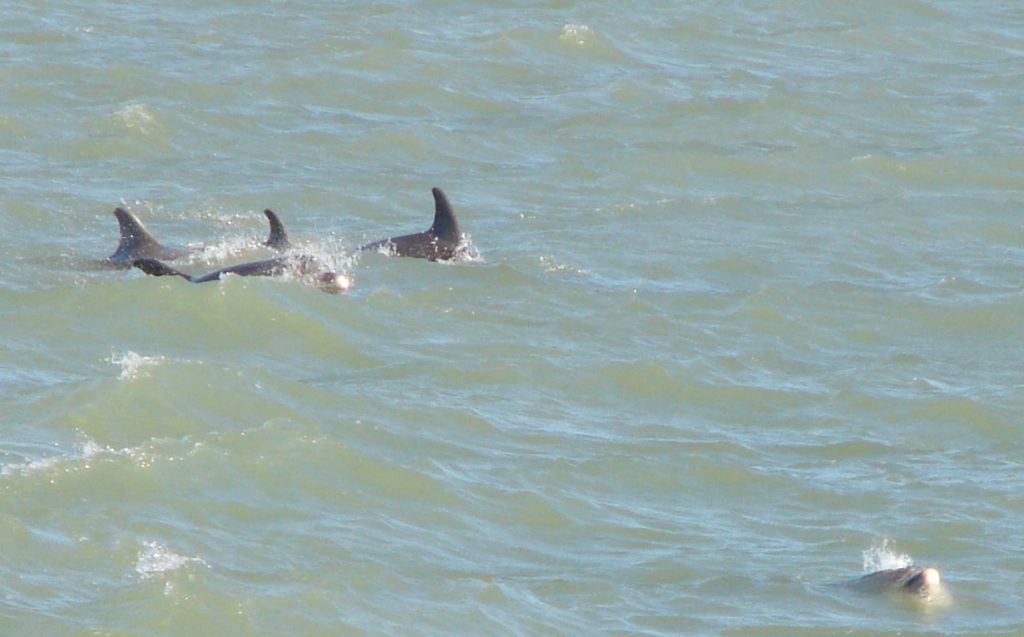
x,y
333,282
925,582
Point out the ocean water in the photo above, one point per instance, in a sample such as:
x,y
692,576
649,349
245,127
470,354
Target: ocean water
x,y
742,320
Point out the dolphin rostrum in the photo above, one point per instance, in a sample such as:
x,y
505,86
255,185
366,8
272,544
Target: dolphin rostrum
x,y
440,242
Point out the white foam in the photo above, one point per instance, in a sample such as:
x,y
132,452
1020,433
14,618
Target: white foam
x,y
137,117
26,468
155,558
133,364
83,459
577,34
467,251
89,450
551,264
880,557
224,250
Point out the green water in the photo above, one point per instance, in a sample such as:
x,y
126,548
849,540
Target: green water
x,y
743,320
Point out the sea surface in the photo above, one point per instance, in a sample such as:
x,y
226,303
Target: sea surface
x,y
742,318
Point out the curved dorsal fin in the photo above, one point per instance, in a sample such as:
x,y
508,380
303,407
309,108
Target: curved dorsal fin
x,y
278,238
135,238
445,227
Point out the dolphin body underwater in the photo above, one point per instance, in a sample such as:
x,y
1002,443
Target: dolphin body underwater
x,y
302,265
442,241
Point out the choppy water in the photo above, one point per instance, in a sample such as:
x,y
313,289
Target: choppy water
x,y
745,321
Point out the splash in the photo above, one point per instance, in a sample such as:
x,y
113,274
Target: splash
x,y
90,453
467,252
137,117
880,557
223,250
578,34
551,264
133,364
82,460
323,265
155,558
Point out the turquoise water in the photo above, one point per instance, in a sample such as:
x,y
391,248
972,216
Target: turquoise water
x,y
743,319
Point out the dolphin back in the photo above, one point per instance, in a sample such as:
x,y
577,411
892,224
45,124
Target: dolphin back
x,y
439,242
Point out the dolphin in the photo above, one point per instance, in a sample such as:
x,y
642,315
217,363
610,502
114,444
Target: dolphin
x,y
442,241
303,265
300,264
137,242
921,581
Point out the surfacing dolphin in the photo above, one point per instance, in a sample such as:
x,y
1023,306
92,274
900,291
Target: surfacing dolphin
x,y
302,265
921,581
442,241
137,243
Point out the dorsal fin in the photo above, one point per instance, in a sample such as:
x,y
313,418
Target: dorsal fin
x,y
135,238
445,227
278,238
